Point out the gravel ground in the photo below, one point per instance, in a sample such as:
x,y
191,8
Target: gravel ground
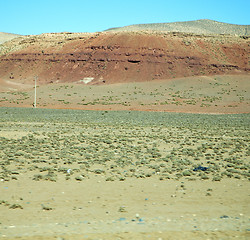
x,y
68,174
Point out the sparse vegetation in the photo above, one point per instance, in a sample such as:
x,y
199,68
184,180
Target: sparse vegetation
x,y
123,144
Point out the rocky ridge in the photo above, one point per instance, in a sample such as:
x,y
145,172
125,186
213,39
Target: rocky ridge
x,y
111,57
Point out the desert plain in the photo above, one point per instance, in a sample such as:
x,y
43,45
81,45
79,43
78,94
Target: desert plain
x,y
74,174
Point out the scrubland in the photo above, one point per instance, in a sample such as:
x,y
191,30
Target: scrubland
x,y
71,174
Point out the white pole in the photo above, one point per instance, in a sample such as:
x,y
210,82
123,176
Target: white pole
x,y
35,93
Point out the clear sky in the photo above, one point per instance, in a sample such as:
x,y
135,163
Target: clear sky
x,y
43,16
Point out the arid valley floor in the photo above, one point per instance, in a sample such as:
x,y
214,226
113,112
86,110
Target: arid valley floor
x,y
201,94
73,174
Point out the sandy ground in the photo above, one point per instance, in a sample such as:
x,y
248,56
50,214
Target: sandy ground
x,y
153,209
121,175
216,94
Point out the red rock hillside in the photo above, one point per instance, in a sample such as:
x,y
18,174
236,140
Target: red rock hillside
x,y
106,57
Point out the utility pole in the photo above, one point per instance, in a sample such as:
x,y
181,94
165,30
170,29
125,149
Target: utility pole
x,y
35,93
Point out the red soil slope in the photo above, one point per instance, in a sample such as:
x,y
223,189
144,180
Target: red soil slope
x,y
103,58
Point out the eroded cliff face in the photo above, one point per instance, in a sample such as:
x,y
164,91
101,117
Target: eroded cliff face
x,y
103,58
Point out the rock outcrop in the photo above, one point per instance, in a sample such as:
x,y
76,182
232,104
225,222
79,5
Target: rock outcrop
x,y
102,58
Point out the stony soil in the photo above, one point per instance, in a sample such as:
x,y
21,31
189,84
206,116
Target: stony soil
x,y
68,174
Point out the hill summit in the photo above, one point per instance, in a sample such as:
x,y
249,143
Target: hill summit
x,y
4,37
127,55
202,26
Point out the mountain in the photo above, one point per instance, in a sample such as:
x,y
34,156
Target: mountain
x,y
111,57
4,37
203,26
128,54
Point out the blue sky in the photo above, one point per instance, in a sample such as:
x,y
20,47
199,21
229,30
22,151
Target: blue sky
x,y
41,16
